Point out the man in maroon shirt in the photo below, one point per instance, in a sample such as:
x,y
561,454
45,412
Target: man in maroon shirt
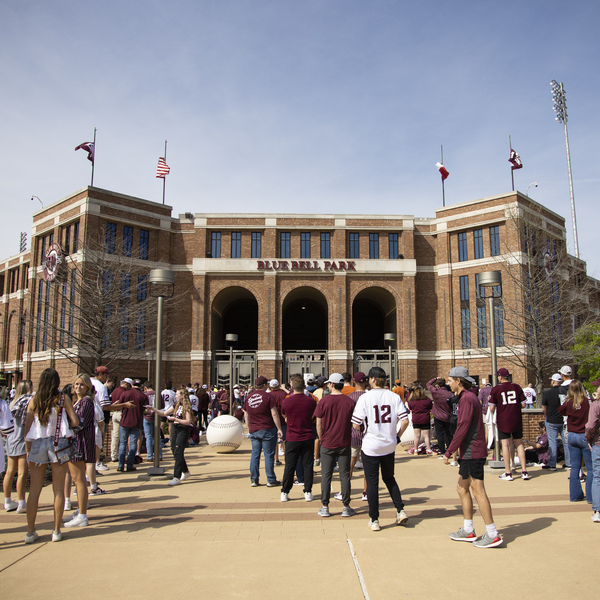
x,y
131,424
298,409
334,427
506,398
470,439
263,426
279,394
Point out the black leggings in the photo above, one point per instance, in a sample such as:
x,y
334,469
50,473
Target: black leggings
x,y
179,438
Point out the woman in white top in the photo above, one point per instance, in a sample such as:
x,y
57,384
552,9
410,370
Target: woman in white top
x,y
48,438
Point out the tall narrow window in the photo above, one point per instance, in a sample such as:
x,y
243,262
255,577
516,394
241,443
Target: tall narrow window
x,y
465,311
354,246
462,247
478,243
125,285
142,287
72,307
305,244
140,329
124,328
67,248
481,327
325,245
144,243
373,245
256,244
236,244
464,288
495,241
40,304
215,244
127,240
64,288
284,244
393,245
75,247
46,317
499,322
111,232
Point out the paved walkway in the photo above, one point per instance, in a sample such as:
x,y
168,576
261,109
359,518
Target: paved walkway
x,y
217,537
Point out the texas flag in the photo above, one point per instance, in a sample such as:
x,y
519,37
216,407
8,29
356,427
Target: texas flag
x,y
515,160
443,171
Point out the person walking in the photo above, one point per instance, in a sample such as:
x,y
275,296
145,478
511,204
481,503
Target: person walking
x,y
382,410
420,407
592,436
441,412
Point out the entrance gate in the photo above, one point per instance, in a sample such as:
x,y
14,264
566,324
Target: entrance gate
x,y
306,361
365,359
244,367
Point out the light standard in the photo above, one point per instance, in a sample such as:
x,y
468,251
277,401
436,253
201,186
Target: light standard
x,y
231,339
493,279
527,190
149,359
388,340
162,285
560,108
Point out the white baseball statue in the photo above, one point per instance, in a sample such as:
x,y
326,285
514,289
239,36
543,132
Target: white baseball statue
x,y
224,434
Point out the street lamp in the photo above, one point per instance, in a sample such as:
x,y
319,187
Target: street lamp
x,y
388,340
231,339
527,190
162,285
493,279
560,108
149,359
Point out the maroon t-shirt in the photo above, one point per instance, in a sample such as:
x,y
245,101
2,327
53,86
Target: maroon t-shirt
x,y
132,417
469,438
335,410
279,395
299,410
258,405
508,397
115,397
420,410
576,418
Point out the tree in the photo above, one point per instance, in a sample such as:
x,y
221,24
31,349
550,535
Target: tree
x,y
586,351
98,309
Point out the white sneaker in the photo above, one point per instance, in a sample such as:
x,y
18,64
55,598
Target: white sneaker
x,y
71,517
374,525
22,507
31,537
10,505
100,466
336,469
359,464
596,517
308,497
78,521
56,536
284,497
317,462
454,463
281,452
364,497
185,475
174,481
338,496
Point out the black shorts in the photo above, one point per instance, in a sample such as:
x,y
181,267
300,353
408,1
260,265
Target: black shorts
x,y
516,435
472,467
422,425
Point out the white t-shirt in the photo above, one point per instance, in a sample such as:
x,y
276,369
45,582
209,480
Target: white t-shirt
x,y
382,409
168,398
101,392
530,395
194,402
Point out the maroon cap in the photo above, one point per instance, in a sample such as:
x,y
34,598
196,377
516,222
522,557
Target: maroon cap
x,y
260,380
596,383
503,372
100,370
359,377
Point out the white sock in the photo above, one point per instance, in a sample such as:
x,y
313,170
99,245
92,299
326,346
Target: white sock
x,y
95,486
22,503
468,525
491,530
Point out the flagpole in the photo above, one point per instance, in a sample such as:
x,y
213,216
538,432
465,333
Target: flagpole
x,y
94,157
443,188
512,171
164,178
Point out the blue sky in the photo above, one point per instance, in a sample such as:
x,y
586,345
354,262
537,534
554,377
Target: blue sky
x,y
330,106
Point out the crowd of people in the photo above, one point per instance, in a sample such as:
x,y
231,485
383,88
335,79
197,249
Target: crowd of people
x,y
338,423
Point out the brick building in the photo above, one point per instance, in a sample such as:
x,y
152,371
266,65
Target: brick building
x,y
303,293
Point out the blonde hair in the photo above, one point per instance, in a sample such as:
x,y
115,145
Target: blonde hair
x,y
416,392
22,389
576,393
187,405
87,382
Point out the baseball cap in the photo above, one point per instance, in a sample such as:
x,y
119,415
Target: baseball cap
x,y
397,382
101,370
566,370
359,377
503,372
457,372
596,383
204,387
335,378
137,382
321,380
260,380
557,377
127,380
274,383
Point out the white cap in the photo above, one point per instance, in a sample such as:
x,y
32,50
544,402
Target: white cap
x,y
566,371
273,383
335,378
556,377
204,387
127,380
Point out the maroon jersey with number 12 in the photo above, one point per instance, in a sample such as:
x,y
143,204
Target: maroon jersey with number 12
x,y
508,397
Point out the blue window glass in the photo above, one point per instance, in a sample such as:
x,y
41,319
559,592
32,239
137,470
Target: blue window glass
x,y
236,244
462,247
465,318
111,232
481,327
478,243
495,241
140,329
305,244
144,242
325,245
373,245
393,245
285,244
127,240
354,246
464,287
142,287
256,244
215,244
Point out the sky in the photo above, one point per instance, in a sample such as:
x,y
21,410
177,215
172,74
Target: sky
x,y
310,106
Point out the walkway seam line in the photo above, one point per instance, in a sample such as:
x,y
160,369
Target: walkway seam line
x,y
358,572
23,557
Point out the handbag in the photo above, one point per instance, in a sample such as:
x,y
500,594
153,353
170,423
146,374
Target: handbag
x,y
64,454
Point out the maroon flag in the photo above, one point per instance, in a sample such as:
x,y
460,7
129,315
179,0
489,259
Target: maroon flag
x,y
89,148
163,169
443,171
515,160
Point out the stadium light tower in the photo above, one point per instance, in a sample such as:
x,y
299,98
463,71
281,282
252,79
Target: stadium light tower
x,y
560,108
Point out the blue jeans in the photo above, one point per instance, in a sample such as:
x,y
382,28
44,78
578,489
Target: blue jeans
x,y
554,431
580,450
131,433
596,482
264,440
149,433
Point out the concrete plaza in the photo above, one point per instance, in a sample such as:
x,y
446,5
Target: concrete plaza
x,y
216,537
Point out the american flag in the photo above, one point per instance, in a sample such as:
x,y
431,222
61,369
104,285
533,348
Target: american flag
x,y
89,148
515,160
163,169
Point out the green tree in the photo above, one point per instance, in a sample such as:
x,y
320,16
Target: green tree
x,y
586,351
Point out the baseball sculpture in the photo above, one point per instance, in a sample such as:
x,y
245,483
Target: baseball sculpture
x,y
224,434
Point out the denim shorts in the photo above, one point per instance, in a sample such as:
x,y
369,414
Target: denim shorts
x,y
43,452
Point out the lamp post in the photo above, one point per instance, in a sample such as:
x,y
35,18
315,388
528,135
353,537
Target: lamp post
x,y
231,339
493,279
162,285
149,359
560,108
388,340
